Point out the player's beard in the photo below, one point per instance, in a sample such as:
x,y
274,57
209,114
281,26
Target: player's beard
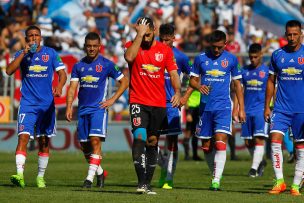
x,y
147,44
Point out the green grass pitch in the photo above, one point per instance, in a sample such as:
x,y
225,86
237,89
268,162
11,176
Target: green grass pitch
x,y
66,172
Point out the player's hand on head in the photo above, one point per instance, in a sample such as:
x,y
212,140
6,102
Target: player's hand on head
x,y
142,26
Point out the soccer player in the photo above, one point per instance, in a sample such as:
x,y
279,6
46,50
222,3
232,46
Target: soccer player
x,y
169,161
216,67
92,73
37,109
286,67
254,79
148,59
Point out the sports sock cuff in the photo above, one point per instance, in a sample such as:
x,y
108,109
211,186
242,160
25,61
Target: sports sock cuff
x,y
220,145
276,141
95,159
299,146
21,153
43,154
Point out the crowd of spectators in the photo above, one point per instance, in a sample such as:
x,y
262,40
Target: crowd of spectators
x,y
114,20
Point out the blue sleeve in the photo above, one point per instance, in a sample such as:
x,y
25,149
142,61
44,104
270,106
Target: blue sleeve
x,y
17,54
236,69
196,70
114,72
57,62
74,74
272,65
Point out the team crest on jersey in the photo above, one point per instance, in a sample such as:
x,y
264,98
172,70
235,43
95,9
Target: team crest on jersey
x,y
301,60
98,68
224,63
45,58
137,121
262,74
159,57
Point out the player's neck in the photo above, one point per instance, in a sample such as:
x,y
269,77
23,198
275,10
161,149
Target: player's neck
x,y
293,48
257,66
90,59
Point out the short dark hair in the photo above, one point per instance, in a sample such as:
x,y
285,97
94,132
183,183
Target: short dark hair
x,y
32,27
149,21
92,36
255,48
217,36
166,29
293,23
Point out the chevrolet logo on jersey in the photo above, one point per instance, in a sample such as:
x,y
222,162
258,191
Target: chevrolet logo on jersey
x,y
254,83
150,68
37,68
89,79
215,73
292,71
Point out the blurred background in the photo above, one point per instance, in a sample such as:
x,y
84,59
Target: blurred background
x,y
64,24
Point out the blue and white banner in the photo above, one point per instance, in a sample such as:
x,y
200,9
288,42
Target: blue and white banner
x,y
67,14
271,16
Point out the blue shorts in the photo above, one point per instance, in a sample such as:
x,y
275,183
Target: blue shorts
x,y
39,120
211,122
255,126
94,124
174,124
280,122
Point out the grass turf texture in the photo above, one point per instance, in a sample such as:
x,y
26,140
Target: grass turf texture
x,y
66,173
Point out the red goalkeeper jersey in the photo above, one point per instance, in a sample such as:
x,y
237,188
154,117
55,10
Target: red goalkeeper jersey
x,y
147,82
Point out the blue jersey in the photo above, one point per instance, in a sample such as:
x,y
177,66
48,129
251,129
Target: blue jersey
x,y
288,67
254,82
93,79
37,70
184,66
216,72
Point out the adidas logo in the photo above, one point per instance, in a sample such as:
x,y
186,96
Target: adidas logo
x,y
291,60
36,59
215,63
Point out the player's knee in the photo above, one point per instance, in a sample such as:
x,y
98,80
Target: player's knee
x,y
23,139
152,141
220,146
140,134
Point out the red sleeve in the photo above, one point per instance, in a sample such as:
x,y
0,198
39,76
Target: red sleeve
x,y
128,44
170,62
